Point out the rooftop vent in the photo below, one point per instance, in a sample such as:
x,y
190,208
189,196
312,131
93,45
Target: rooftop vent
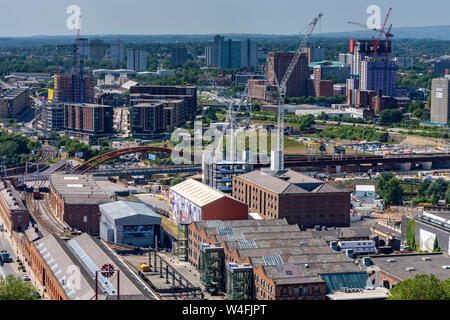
x,y
306,265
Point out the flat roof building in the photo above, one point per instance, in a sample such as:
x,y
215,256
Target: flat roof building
x,y
388,270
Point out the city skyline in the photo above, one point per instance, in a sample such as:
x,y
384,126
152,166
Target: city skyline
x,y
203,17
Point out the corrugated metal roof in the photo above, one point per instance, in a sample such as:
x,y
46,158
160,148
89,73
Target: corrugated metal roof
x,y
197,192
122,209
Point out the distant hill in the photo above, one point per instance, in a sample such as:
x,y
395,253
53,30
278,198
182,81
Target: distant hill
x,y
436,32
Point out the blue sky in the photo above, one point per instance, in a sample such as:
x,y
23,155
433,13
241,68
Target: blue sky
x,y
48,17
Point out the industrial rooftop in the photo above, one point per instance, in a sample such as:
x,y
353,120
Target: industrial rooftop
x,y
286,254
122,209
78,189
404,266
197,192
288,182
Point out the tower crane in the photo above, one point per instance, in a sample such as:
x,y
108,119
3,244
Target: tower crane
x,y
281,92
376,42
234,107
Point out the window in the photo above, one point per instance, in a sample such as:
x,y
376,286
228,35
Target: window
x,y
296,291
305,291
284,292
316,290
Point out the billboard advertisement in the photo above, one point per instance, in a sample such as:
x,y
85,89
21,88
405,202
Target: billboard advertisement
x,y
50,95
182,209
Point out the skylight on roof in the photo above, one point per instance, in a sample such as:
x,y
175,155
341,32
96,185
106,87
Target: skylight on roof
x,y
273,260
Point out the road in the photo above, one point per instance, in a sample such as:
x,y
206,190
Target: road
x,y
7,268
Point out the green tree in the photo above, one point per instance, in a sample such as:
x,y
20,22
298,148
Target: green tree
x,y
436,247
411,241
390,116
13,288
447,197
438,189
393,193
177,181
434,199
421,287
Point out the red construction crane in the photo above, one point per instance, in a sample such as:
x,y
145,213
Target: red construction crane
x,y
376,42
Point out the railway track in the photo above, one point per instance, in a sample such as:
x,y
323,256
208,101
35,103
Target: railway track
x,y
48,223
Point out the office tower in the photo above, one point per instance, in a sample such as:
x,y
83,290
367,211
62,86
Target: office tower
x,y
137,60
117,54
179,56
440,105
96,49
83,48
297,84
231,54
379,73
315,54
249,53
372,72
213,51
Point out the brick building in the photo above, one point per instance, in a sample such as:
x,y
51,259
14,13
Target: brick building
x,y
13,102
154,116
74,199
194,201
291,195
13,211
287,264
91,120
320,88
297,84
258,90
67,88
186,93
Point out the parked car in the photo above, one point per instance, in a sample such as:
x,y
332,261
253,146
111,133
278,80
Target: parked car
x,y
25,277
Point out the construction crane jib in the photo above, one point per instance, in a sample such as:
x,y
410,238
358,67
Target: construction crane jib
x,y
281,88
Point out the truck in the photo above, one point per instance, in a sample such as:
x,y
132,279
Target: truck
x,y
5,256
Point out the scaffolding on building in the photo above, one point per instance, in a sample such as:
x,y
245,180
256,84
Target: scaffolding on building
x,y
219,175
218,172
239,281
182,241
212,266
